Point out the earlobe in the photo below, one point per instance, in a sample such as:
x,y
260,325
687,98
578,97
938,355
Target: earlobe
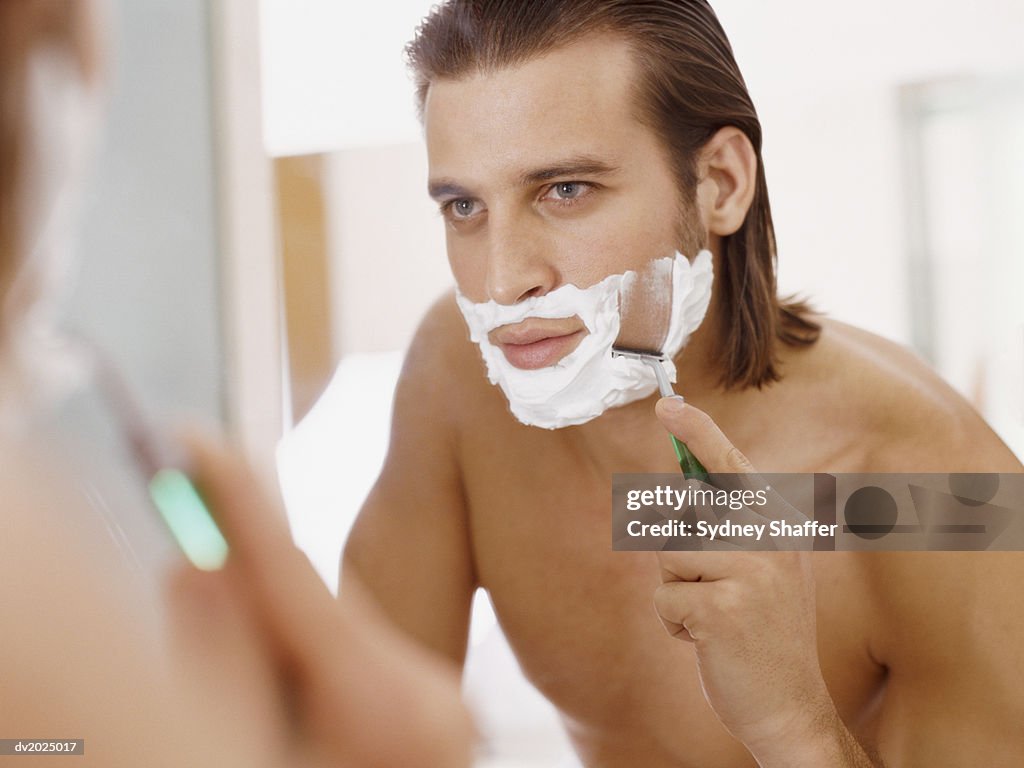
x,y
728,178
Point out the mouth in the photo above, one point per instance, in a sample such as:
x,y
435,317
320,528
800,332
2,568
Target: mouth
x,y
537,343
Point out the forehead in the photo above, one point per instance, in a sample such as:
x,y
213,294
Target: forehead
x,y
574,100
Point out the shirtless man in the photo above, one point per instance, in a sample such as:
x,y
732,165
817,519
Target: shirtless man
x,y
554,166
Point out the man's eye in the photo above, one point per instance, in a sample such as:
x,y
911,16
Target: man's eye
x,y
461,208
567,191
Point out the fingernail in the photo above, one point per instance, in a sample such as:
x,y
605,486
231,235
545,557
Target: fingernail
x,y
673,404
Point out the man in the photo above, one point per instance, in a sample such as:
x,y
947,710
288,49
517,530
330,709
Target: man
x,y
573,141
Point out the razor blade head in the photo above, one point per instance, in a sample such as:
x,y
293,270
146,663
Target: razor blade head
x,y
655,361
637,354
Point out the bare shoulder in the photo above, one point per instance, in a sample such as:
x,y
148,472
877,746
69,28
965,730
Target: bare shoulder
x,y
434,398
443,380
943,623
912,419
49,534
23,493
415,520
34,489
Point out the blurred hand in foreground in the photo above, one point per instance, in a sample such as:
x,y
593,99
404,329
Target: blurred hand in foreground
x,y
292,674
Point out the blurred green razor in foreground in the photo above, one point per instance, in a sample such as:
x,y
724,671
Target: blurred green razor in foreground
x,y
172,492
188,519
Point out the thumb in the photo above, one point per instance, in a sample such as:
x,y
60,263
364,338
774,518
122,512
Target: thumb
x,y
701,435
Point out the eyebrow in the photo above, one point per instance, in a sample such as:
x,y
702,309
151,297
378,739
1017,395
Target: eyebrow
x,y
580,165
446,188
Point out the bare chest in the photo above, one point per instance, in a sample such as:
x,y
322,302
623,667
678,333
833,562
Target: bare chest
x,y
581,621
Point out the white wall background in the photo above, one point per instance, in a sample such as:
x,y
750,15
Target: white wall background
x,y
825,77
334,73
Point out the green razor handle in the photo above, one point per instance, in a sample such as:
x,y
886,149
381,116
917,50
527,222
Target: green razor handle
x,y
188,519
690,464
171,490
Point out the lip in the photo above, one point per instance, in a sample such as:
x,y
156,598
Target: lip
x,y
534,344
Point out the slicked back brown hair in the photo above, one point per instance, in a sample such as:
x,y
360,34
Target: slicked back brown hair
x,y
689,87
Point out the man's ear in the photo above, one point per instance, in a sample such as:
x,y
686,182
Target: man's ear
x,y
727,176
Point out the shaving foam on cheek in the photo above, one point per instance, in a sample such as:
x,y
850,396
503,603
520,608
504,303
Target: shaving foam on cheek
x,y
588,381
37,365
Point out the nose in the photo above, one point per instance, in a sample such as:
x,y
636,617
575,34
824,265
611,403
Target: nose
x,y
518,263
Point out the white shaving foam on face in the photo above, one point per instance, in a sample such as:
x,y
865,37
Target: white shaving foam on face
x,y
588,381
37,365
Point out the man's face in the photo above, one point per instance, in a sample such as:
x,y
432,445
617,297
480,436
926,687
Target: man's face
x,y
546,177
